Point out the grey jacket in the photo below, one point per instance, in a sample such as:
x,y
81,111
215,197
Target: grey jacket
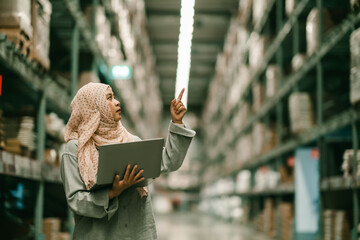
x,y
126,217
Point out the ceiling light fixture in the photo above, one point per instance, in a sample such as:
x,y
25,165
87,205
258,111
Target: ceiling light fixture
x,y
184,48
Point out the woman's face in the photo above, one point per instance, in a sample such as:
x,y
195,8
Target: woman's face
x,y
113,104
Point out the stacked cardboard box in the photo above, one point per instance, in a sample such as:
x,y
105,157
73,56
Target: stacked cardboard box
x,y
15,23
40,19
264,138
272,80
312,28
258,138
245,148
260,222
103,28
347,165
287,220
51,228
301,112
336,225
269,218
16,14
20,136
355,67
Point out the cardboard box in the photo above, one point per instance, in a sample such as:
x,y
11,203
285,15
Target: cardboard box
x,y
16,14
355,67
40,19
301,112
273,74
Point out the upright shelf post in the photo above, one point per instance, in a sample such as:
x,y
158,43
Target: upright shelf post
x,y
40,147
279,105
75,39
319,104
355,190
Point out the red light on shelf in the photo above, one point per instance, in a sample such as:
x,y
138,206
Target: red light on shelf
x,y
315,154
0,84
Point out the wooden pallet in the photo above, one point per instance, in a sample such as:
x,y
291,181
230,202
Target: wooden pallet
x,y
20,39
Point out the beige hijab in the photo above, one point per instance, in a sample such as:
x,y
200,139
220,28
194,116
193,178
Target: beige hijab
x,y
92,123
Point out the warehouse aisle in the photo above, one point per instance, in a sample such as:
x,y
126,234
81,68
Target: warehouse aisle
x,y
191,226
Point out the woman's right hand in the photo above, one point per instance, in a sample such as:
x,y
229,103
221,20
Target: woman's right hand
x,y
130,178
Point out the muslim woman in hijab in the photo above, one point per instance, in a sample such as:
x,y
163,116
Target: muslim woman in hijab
x,y
122,211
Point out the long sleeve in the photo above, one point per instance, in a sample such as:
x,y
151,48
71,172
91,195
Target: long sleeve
x,y
94,204
176,146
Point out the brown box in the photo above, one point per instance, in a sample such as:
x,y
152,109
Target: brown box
x,y
40,20
15,14
355,67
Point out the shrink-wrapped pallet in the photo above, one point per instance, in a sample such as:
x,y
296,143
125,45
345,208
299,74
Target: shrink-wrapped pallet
x,y
87,77
312,28
103,28
289,6
355,5
257,50
16,14
244,11
301,112
273,75
245,148
297,62
40,20
258,10
355,67
258,92
347,164
243,181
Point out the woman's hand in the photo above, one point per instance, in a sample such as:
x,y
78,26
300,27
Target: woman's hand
x,y
177,109
130,178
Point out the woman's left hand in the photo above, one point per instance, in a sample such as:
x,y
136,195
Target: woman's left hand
x,y
177,108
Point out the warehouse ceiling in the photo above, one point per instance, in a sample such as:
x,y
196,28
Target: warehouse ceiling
x,y
212,20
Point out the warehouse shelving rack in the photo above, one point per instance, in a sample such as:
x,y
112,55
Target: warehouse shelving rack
x,y
47,93
317,135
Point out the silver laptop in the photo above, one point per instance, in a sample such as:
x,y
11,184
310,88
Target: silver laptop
x,y
114,158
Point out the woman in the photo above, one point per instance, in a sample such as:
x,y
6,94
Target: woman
x,y
124,211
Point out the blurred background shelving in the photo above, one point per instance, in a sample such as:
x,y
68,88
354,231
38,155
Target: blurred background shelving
x,y
273,95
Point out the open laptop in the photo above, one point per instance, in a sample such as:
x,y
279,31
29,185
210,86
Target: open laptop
x,y
114,158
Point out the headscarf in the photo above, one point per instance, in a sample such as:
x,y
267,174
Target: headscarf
x,y
92,124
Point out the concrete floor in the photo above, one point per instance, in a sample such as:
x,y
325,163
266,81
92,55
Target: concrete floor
x,y
191,226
